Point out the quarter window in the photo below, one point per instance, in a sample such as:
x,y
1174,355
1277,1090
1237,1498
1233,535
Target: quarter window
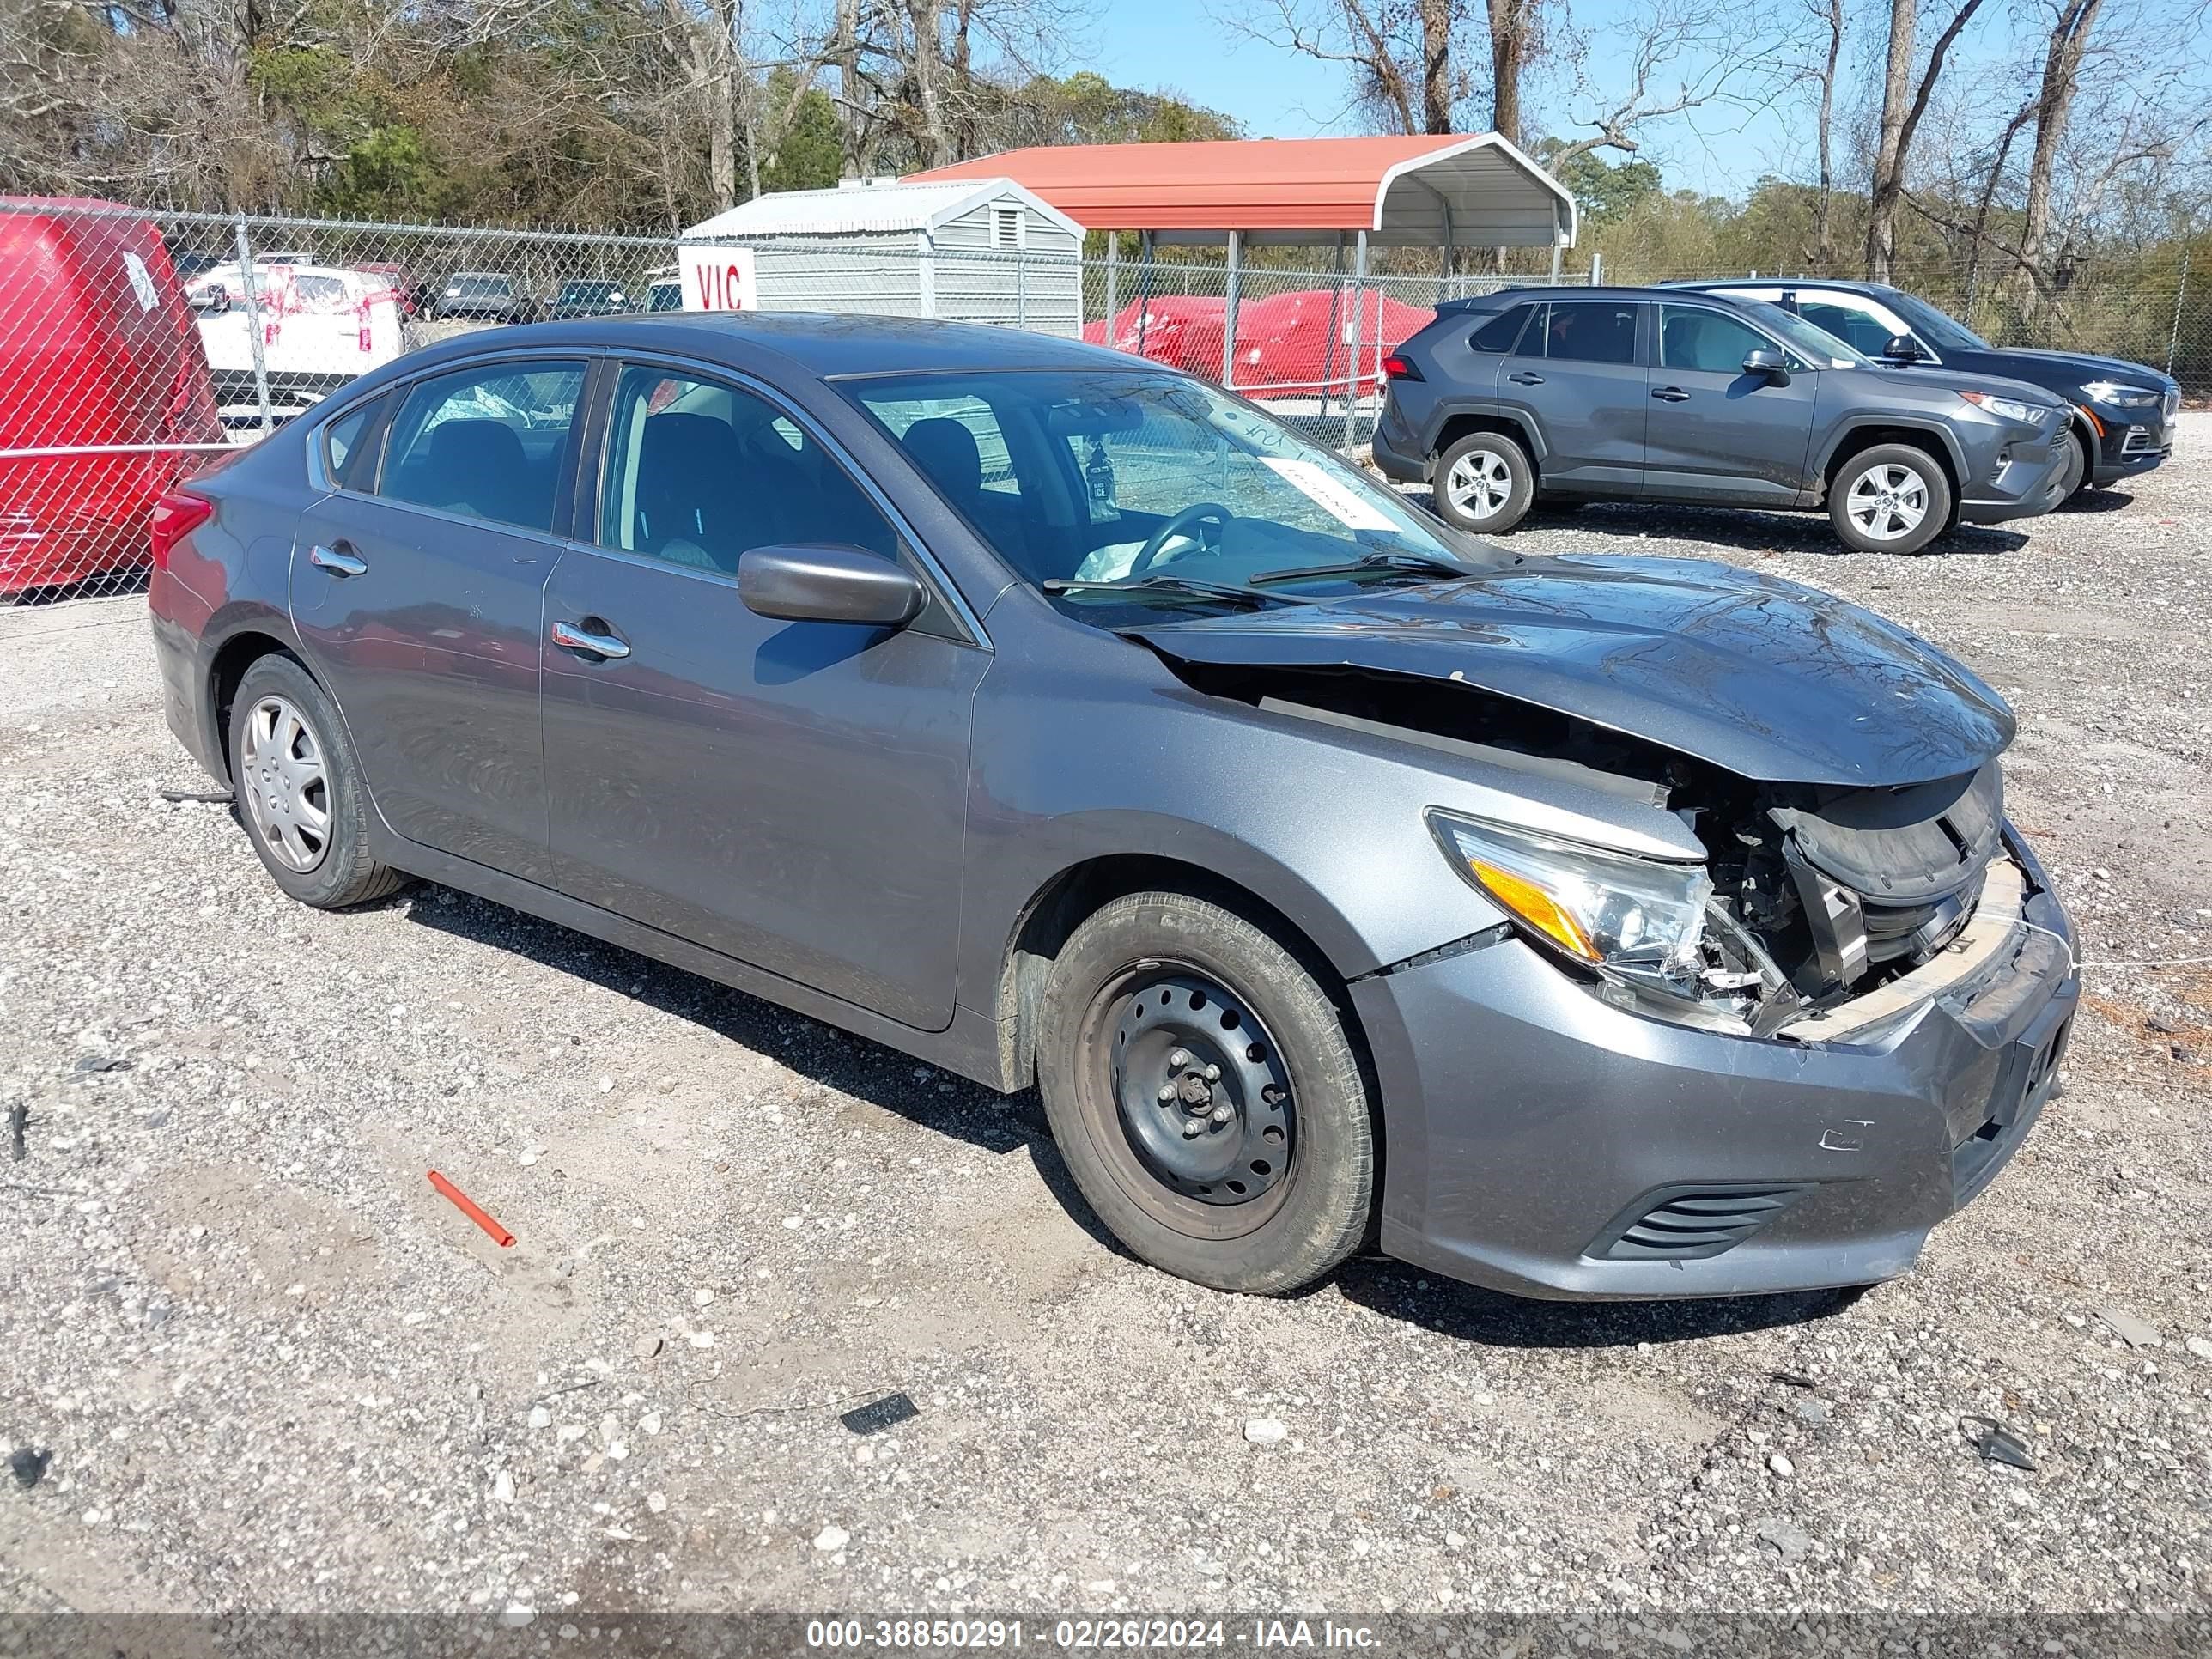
x,y
1500,332
1586,331
488,442
698,472
1706,342
351,465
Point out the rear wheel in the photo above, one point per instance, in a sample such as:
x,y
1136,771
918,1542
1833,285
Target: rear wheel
x,y
299,788
1205,1095
1484,484
1891,498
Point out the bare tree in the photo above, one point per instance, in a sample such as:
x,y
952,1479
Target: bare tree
x,y
1903,106
1829,15
1513,32
1682,55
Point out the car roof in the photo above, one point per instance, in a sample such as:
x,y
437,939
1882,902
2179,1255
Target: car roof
x,y
1499,299
825,344
1849,285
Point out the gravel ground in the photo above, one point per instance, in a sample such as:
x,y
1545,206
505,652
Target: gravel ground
x,y
274,1370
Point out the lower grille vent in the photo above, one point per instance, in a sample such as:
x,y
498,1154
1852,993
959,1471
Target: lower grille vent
x,y
1683,1223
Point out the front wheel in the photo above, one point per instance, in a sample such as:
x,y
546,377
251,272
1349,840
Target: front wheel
x,y
2073,468
1206,1097
1891,498
1484,484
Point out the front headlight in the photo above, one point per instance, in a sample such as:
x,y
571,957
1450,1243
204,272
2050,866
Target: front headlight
x,y
2006,409
1636,918
2118,396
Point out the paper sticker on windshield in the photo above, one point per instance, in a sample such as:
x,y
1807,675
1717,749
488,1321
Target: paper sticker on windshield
x,y
1334,496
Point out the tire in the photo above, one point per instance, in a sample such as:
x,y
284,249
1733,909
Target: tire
x,y
299,789
1265,1202
1891,498
2074,475
1484,484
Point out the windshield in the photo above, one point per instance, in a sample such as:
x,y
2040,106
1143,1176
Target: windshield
x,y
1111,476
573,292
479,287
1944,332
1815,343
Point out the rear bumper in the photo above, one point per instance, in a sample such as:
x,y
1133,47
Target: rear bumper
x,y
1394,449
1528,1125
179,617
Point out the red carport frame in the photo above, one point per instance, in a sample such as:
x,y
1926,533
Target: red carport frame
x,y
1442,191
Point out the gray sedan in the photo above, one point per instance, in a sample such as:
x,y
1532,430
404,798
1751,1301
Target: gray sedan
x,y
1586,927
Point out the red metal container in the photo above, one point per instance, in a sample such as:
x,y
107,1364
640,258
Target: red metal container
x,y
102,375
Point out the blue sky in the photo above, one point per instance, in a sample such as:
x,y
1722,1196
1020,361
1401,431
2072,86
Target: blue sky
x,y
1182,45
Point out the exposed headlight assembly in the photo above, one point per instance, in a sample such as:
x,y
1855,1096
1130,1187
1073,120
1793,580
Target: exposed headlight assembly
x,y
1646,928
2120,397
2006,409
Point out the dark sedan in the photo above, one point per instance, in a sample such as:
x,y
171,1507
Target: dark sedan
x,y
2121,413
1580,927
484,296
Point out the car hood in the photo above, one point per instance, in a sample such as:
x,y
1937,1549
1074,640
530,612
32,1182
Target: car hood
x,y
1774,682
1969,379
2080,366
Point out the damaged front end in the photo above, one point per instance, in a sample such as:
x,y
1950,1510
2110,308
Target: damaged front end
x,y
1811,898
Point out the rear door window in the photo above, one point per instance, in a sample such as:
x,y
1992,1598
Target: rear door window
x,y
1588,332
346,456
488,442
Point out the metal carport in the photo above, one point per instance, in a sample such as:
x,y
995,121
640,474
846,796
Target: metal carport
x,y
1442,190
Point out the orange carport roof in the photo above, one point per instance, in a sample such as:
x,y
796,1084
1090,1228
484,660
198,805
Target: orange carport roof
x,y
1473,192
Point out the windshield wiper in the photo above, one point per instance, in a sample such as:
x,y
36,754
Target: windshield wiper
x,y
1414,563
1165,586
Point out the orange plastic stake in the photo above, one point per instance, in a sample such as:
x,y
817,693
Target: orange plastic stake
x,y
467,1206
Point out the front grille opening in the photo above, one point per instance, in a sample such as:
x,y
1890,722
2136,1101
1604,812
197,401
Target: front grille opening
x,y
1684,1223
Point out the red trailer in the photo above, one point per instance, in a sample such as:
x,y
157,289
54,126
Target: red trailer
x,y
105,398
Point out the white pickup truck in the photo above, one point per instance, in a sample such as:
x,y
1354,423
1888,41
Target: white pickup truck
x,y
320,326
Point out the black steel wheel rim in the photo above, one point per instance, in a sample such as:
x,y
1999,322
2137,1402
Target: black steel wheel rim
x,y
1202,1093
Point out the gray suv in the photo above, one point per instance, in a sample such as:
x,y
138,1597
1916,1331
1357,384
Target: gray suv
x,y
1637,394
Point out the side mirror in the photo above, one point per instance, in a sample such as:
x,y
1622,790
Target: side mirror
x,y
1767,364
827,581
1902,347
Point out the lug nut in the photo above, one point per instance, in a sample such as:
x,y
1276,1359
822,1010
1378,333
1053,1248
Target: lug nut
x,y
1190,1129
1179,1059
1221,1115
1213,1074
1167,1093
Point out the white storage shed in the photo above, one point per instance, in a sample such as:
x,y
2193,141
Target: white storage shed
x,y
970,251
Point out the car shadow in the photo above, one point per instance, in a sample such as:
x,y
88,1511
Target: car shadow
x,y
1492,1319
868,1070
1752,531
2094,500
1010,1124
110,585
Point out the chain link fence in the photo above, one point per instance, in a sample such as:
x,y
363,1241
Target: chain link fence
x,y
133,346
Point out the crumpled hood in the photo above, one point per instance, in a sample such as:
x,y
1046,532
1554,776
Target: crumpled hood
x,y
1774,682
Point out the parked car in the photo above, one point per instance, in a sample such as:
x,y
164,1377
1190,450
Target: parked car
x,y
589,298
2121,419
406,290
320,325
486,296
1642,394
104,393
664,289
1580,927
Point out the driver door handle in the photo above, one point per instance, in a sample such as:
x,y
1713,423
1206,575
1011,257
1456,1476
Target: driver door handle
x,y
1522,377
569,637
339,561
1671,394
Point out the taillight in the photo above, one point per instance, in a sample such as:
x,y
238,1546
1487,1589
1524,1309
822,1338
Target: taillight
x,y
176,515
1395,368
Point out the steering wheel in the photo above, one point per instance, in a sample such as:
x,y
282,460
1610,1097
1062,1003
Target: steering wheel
x,y
1190,515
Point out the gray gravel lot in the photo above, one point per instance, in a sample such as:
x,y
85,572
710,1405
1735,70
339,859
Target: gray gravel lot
x,y
274,1371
